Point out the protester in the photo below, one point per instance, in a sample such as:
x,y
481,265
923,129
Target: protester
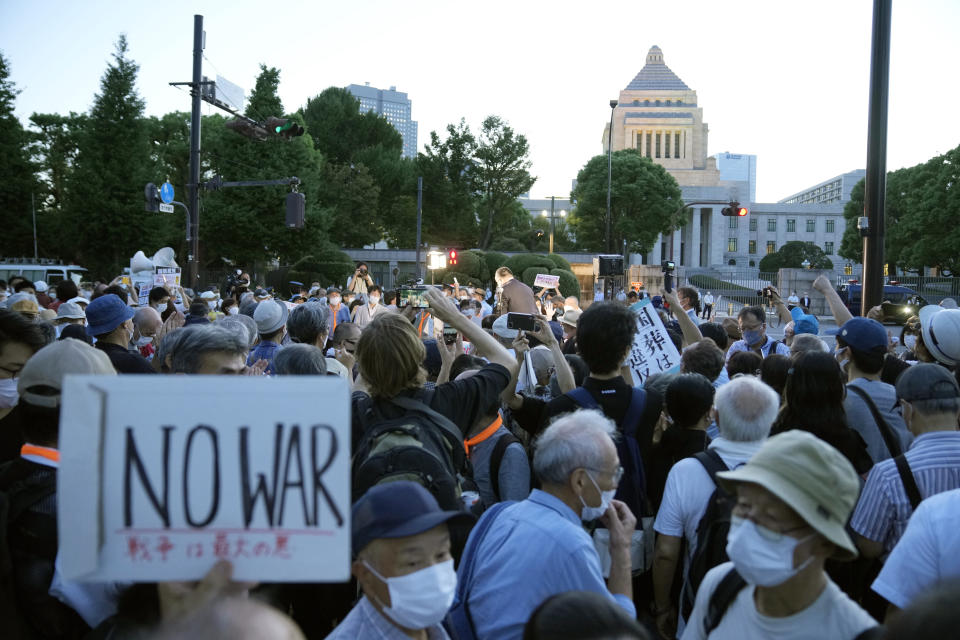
x,y
402,563
69,313
939,339
542,537
365,313
19,340
703,357
207,349
360,282
25,303
930,400
146,326
744,363
753,326
66,290
299,360
581,615
569,325
745,408
271,319
774,371
807,342
512,295
110,322
794,497
689,299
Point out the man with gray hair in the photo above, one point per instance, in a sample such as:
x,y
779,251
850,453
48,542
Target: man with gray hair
x,y
208,349
805,342
576,462
744,410
299,360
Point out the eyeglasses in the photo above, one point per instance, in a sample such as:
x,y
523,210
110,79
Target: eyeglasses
x,y
617,474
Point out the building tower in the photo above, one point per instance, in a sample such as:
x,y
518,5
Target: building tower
x,y
392,105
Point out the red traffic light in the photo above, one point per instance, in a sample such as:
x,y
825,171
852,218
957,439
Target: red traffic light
x,y
452,256
734,210
742,211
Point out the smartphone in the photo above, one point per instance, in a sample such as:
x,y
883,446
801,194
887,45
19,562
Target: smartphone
x,y
125,279
412,296
521,321
450,335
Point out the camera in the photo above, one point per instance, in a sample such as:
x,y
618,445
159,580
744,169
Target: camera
x,y
450,335
668,266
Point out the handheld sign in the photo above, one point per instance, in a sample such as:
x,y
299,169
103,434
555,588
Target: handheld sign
x,y
168,277
546,281
652,351
239,468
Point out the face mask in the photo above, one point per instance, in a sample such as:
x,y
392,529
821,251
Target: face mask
x,y
234,310
162,307
8,393
334,301
759,558
752,337
420,599
592,513
910,342
469,313
143,341
374,299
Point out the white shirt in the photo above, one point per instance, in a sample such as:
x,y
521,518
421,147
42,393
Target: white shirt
x,y
793,299
708,299
832,615
927,552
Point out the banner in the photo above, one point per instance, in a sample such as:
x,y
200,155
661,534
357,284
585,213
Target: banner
x,y
546,281
236,468
653,351
169,277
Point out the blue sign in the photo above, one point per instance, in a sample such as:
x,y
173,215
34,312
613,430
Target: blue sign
x,y
166,192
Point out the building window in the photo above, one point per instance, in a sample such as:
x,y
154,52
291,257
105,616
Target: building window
x,y
666,145
828,248
732,245
791,226
771,224
647,136
658,145
771,247
732,223
753,224
811,226
753,246
676,145
830,224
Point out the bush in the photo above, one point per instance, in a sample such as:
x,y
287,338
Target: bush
x,y
529,275
472,264
559,261
507,244
520,263
494,260
569,284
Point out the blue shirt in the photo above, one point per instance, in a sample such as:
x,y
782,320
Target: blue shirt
x,y
535,549
365,622
264,351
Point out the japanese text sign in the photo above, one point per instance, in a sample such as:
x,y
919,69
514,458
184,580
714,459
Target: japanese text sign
x,y
229,467
653,351
546,281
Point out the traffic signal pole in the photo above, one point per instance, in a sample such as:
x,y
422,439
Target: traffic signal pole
x,y
875,181
193,255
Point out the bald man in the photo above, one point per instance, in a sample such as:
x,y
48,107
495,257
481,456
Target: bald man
x,y
146,324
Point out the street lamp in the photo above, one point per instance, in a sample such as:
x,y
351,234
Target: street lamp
x,y
553,218
613,105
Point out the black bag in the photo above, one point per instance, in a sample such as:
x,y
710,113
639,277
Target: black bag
x,y
422,446
712,533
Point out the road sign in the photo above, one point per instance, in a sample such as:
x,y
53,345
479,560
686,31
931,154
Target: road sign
x,y
166,193
166,208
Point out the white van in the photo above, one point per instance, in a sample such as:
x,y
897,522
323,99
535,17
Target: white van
x,y
48,270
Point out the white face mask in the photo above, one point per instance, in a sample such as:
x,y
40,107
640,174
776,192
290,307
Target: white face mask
x,y
162,307
234,310
760,556
420,599
8,393
143,341
374,299
592,513
212,305
334,301
910,342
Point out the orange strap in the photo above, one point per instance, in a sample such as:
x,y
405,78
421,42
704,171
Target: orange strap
x,y
423,318
483,435
43,452
335,314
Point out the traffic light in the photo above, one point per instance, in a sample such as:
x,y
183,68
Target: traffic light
x,y
734,210
283,127
152,195
296,204
247,129
452,257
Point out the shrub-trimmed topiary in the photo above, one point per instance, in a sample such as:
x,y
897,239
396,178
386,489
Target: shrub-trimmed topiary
x,y
569,284
471,263
559,261
464,279
494,260
520,263
529,275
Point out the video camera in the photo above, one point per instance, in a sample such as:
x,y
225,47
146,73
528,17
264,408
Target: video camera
x,y
668,267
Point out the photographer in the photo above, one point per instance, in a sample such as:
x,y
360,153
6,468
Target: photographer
x,y
360,281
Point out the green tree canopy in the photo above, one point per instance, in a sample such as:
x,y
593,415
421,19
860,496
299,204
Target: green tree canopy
x,y
791,256
645,202
17,183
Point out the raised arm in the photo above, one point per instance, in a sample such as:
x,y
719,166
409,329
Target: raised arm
x,y
840,312
444,310
691,333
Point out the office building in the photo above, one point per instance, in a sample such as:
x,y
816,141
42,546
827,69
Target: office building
x,y
392,105
836,189
739,167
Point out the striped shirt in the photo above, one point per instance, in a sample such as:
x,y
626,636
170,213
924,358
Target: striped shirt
x,y
884,510
365,622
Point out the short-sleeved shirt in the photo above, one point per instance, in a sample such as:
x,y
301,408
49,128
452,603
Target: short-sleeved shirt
x,y
861,420
364,621
927,552
883,510
741,345
832,615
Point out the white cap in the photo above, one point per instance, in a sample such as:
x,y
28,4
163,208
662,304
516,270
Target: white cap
x,y
40,286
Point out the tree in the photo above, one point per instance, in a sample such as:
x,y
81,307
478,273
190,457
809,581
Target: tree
x,y
500,173
105,216
791,256
448,203
645,202
17,171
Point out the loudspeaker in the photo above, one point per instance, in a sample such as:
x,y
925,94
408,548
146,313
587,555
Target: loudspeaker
x,y
610,265
296,204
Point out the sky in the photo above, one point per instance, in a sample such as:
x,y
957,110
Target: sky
x,y
786,81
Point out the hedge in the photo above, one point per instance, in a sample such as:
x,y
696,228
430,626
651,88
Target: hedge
x,y
559,261
520,263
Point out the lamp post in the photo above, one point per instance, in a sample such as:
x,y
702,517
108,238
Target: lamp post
x,y
553,217
613,105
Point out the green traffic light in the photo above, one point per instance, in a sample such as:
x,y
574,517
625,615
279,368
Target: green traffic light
x,y
278,129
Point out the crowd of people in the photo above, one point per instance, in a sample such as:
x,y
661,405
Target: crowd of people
x,y
530,486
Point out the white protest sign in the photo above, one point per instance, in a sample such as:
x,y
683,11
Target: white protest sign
x,y
653,351
239,468
547,281
168,277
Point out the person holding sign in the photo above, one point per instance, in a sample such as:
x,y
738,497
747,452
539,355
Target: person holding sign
x,y
402,562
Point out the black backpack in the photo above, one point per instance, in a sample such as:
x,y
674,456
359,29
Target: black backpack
x,y
422,446
711,532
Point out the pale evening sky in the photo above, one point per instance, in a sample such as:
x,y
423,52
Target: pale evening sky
x,y
785,81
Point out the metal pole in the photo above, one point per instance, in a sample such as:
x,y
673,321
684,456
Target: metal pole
x,y
552,203
613,105
33,209
193,255
419,222
875,186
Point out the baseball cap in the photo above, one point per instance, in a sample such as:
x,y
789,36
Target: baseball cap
x,y
208,295
927,381
397,510
941,333
70,310
41,378
270,315
571,317
106,313
804,322
862,334
41,286
811,477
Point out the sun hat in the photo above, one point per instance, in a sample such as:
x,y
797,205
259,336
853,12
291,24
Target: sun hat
x,y
270,315
571,317
41,379
70,311
106,313
941,333
811,477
